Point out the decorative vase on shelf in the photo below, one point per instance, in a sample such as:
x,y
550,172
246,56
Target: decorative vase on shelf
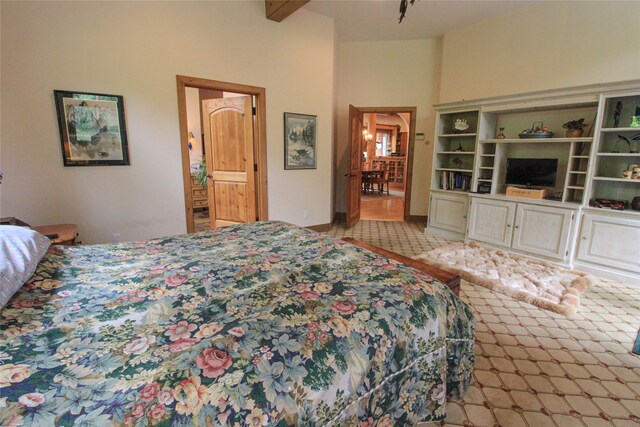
x,y
635,118
500,134
574,133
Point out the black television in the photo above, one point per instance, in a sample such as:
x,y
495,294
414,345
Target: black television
x,y
531,172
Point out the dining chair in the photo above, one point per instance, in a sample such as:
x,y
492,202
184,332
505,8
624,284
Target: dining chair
x,y
381,180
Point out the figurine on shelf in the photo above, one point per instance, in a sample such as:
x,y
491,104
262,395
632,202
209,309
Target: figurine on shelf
x,y
460,149
460,126
500,134
625,139
616,114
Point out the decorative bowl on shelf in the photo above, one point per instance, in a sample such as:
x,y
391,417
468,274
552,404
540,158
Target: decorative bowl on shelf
x,y
537,130
524,135
616,205
460,126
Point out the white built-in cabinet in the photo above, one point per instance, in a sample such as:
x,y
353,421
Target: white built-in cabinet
x,y
567,230
543,230
609,241
449,212
529,228
491,221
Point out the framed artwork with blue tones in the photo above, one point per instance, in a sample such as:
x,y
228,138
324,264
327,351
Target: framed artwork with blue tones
x,y
300,150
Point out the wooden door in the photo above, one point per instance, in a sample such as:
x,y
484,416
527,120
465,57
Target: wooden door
x,y
542,230
354,176
228,135
491,221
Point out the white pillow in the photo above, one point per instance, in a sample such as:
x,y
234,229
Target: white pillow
x,y
21,249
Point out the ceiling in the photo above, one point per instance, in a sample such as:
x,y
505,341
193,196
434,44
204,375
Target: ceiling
x,y
377,20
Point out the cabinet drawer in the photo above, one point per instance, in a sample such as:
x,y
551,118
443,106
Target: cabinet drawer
x,y
199,192
203,203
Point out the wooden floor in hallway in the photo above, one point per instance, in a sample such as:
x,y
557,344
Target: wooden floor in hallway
x,y
382,207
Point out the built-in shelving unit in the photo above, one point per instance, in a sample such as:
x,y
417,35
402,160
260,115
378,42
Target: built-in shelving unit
x,y
612,179
572,153
564,228
457,135
534,140
455,152
617,149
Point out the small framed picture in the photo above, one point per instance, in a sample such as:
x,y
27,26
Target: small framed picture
x,y
92,128
300,141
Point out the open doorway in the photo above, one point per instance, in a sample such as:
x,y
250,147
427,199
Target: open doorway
x,y
223,145
387,157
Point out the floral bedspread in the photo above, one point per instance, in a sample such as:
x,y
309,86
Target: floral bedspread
x,y
262,324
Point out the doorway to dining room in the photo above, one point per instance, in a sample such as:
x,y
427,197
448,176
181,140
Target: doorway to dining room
x,y
387,157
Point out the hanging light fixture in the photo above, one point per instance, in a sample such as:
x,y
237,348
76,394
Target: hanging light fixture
x,y
403,8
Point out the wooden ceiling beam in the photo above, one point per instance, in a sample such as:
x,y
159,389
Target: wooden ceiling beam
x,y
278,10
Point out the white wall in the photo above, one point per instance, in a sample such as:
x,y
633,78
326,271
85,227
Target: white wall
x,y
547,45
136,49
413,80
192,100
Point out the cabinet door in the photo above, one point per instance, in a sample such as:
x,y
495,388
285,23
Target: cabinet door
x,y
611,242
449,212
542,230
491,221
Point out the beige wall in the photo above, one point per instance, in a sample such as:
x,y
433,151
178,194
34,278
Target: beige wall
x,y
192,100
135,49
365,81
547,45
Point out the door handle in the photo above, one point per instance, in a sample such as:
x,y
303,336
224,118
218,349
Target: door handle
x,y
209,176
349,175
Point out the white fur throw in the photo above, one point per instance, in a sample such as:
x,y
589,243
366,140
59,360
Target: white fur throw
x,y
537,282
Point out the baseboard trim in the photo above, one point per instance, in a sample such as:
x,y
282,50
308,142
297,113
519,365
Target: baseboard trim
x,y
627,277
319,227
445,234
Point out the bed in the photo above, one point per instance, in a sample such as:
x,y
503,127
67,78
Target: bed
x,y
261,324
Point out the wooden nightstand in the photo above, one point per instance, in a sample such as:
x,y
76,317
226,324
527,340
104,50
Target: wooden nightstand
x,y
198,194
66,233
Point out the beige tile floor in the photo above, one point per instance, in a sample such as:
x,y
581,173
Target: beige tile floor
x,y
536,368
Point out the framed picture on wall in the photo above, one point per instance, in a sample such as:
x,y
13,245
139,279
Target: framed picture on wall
x,y
92,128
300,141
